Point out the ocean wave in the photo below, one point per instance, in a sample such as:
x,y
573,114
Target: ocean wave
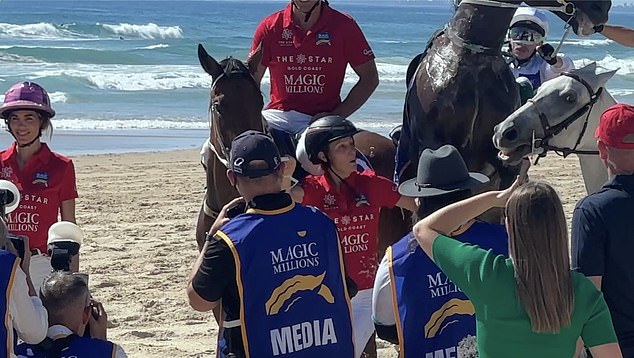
x,y
56,97
588,43
39,31
113,124
147,31
13,58
152,47
131,77
625,66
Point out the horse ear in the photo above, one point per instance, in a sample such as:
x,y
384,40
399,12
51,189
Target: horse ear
x,y
603,78
589,68
209,64
254,59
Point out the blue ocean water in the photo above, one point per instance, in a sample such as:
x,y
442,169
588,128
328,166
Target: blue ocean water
x,y
128,69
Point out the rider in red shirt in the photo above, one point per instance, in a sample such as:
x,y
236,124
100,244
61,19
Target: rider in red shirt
x,y
46,180
353,201
307,48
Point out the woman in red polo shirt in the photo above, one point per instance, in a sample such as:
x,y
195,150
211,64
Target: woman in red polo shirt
x,y
46,180
353,201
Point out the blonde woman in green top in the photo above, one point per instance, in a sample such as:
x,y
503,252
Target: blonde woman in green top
x,y
531,304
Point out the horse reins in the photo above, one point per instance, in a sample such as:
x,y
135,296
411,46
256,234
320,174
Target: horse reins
x,y
551,131
566,7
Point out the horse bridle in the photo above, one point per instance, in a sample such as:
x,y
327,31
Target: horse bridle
x,y
222,153
551,131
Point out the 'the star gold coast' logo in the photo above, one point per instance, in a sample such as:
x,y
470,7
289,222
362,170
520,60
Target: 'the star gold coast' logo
x,y
290,288
439,319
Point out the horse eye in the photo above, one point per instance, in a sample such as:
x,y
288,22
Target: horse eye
x,y
570,98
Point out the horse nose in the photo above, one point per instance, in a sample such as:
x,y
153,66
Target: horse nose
x,y
510,134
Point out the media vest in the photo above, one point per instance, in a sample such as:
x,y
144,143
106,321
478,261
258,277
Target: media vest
x,y
74,346
289,273
432,314
8,264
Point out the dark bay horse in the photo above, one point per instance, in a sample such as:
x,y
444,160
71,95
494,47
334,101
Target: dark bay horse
x,y
463,86
235,106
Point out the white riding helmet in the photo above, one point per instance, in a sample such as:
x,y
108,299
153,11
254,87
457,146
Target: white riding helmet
x,y
65,231
536,16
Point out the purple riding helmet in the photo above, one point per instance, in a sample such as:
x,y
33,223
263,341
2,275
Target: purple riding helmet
x,y
26,95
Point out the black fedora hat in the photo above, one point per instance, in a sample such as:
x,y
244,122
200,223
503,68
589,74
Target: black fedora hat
x,y
441,171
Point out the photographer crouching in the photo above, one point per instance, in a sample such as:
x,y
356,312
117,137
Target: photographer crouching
x,y
70,311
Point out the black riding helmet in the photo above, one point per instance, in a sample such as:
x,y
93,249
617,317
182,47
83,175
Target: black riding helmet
x,y
324,131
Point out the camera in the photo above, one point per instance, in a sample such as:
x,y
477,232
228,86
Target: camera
x,y
64,240
9,197
18,243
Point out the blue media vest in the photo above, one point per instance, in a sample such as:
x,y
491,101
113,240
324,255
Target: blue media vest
x,y
79,347
8,264
433,315
289,271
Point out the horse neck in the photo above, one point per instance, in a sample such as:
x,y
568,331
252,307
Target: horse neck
x,y
482,25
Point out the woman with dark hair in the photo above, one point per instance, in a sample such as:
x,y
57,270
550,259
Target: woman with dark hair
x,y
532,304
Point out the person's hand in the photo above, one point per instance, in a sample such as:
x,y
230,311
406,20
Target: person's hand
x,y
503,195
547,52
98,320
598,28
26,261
222,216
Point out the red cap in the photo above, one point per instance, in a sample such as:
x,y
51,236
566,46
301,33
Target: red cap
x,y
616,124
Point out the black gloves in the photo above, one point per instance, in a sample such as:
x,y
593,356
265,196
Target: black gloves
x,y
547,52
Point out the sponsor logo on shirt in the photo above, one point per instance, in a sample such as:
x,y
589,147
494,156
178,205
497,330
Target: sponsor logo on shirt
x,y
294,257
442,317
330,201
287,34
287,38
302,335
7,172
41,178
323,38
367,52
291,290
440,285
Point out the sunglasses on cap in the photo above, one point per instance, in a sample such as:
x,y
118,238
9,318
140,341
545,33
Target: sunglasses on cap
x,y
523,35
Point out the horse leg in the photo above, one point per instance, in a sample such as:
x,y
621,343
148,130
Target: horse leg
x,y
202,226
370,348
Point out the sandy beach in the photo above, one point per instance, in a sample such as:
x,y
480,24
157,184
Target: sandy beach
x,y
139,211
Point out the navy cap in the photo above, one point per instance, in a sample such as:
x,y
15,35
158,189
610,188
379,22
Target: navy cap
x,y
253,146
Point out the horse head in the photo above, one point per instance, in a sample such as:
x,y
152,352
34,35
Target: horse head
x,y
583,15
235,99
556,118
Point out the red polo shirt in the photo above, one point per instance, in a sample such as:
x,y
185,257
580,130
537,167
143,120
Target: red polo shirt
x,y
358,226
307,68
45,182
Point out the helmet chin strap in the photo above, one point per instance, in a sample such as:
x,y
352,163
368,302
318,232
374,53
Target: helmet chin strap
x,y
30,143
